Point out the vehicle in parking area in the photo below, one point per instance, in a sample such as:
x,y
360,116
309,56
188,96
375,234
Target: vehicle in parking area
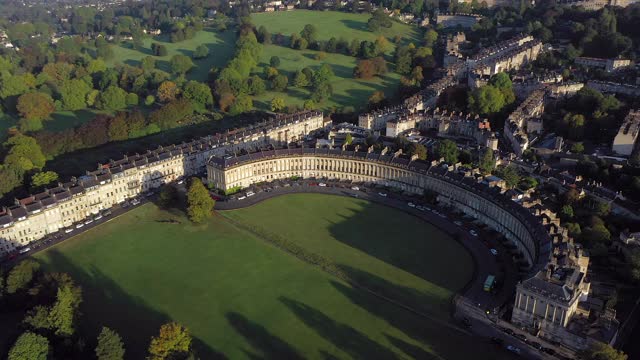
x,y
180,182
421,208
355,188
68,230
411,204
322,185
242,197
78,226
250,193
442,215
513,349
106,213
135,202
382,194
25,250
521,337
459,223
89,221
97,217
473,232
536,345
494,252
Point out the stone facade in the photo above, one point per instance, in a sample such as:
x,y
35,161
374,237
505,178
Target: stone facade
x,y
628,134
36,216
455,20
608,65
525,120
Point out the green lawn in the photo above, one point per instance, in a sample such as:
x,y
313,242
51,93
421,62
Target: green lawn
x,y
347,91
221,47
243,298
331,24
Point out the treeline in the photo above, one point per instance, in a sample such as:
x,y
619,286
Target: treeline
x,y
184,30
50,304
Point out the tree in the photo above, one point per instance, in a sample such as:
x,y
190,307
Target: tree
x,y
487,162
348,139
566,212
486,100
596,232
24,152
419,150
309,33
168,195
131,99
277,104
324,74
309,105
113,98
21,275
149,100
274,61
148,64
448,150
110,346
577,148
241,105
35,106
322,92
180,64
201,52
376,98
73,94
602,351
509,174
167,91
527,183
199,94
64,311
173,342
43,178
430,37
30,346
300,80
280,83
200,204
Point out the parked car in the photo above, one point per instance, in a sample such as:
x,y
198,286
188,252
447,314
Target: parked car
x,y
536,345
250,193
135,202
355,188
521,337
25,250
106,213
513,349
89,221
411,204
97,217
68,230
494,252
242,197
459,223
78,226
549,351
322,185
382,194
473,232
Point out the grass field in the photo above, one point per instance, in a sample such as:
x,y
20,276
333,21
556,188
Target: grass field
x,y
347,91
243,298
221,47
331,24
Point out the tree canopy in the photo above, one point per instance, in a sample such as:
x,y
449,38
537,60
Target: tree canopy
x,y
173,342
30,346
200,204
110,346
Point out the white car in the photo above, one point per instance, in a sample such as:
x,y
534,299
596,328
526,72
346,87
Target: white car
x,y
180,182
382,194
355,188
135,202
79,226
459,223
513,349
242,197
421,208
494,252
68,230
322,185
88,222
25,250
250,193
473,233
97,217
411,205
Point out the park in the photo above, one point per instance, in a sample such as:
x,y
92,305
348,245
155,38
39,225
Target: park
x,y
249,299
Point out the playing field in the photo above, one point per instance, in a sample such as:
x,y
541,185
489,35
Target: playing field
x,y
243,298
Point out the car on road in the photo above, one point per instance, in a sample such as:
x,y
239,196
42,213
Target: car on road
x,y
421,208
89,221
180,182
68,230
355,188
494,252
97,217
521,337
322,185
250,193
106,213
442,215
508,331
513,349
549,351
382,194
242,197
135,202
79,226
25,250
459,223
411,204
536,345
473,232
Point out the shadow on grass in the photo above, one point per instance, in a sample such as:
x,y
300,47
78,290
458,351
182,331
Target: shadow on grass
x,y
343,336
270,346
105,303
355,25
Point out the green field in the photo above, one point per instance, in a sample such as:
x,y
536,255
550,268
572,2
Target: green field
x,y
221,47
347,91
331,24
243,298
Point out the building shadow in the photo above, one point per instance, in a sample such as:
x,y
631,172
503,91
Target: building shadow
x,y
269,345
343,336
105,303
